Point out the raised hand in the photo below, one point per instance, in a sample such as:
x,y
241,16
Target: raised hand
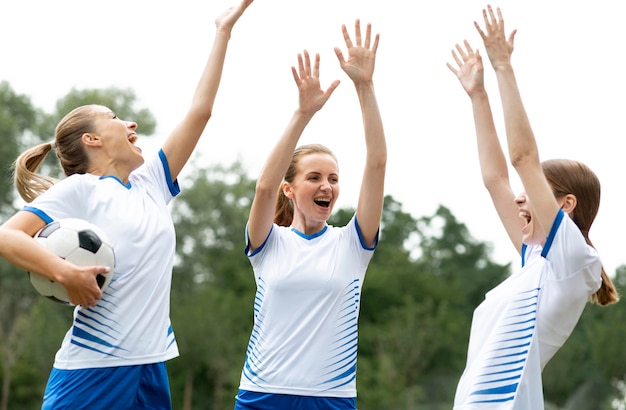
x,y
311,96
470,68
361,56
227,20
499,49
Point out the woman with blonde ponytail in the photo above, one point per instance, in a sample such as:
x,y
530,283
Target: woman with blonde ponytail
x,y
526,319
114,354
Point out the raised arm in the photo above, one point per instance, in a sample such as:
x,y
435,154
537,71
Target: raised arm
x,y
311,100
360,68
493,165
182,141
523,152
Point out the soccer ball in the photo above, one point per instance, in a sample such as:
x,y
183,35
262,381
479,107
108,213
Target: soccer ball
x,y
79,242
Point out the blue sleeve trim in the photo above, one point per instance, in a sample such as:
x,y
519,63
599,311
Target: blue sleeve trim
x,y
247,249
550,238
172,185
363,244
39,213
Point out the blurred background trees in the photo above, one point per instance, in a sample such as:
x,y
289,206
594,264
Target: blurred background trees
x,y
426,277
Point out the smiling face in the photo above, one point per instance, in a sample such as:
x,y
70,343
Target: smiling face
x,y
532,232
314,191
116,139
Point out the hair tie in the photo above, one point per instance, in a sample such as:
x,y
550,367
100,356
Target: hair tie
x,y
53,145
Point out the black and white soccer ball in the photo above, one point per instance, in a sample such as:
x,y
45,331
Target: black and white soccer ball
x,y
79,242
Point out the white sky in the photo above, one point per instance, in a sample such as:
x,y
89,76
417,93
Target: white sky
x,y
568,60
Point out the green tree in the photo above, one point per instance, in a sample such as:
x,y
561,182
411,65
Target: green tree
x,y
17,119
422,285
213,287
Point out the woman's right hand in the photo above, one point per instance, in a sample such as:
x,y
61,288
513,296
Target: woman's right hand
x,y
311,96
81,284
470,69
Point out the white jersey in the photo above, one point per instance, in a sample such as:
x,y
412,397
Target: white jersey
x,y
524,321
131,324
306,309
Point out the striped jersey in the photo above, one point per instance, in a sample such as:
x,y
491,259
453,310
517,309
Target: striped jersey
x,y
524,321
130,324
306,309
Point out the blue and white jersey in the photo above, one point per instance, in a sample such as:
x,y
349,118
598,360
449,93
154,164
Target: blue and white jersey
x,y
306,309
524,321
131,323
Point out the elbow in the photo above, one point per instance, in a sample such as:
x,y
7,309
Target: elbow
x,y
495,182
520,159
379,160
381,163
199,115
263,189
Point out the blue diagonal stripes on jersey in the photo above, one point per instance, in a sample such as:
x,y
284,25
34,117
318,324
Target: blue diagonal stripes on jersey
x,y
504,362
253,352
343,367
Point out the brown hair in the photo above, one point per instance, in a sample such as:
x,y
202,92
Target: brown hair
x,y
573,177
69,150
283,215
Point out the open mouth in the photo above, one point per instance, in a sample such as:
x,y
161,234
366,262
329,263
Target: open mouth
x,y
526,216
323,202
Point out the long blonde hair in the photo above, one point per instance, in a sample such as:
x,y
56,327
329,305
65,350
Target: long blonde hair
x,y
69,150
573,177
283,215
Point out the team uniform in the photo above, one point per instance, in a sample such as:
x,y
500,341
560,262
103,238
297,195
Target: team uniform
x,y
303,349
524,321
130,326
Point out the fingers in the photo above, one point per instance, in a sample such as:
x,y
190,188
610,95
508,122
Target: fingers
x,y
301,70
331,88
358,38
339,55
375,47
462,55
357,32
346,36
512,39
457,60
480,31
304,67
296,77
316,66
491,21
454,70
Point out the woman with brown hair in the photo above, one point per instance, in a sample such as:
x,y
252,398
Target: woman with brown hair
x,y
524,321
303,349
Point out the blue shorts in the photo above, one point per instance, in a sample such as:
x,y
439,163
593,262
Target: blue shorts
x,y
120,388
250,400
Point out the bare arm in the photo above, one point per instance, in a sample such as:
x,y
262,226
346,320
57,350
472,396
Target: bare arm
x,y
523,151
182,141
360,68
18,246
493,165
311,100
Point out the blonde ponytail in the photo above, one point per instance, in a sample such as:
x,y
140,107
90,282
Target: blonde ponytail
x,y
28,182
